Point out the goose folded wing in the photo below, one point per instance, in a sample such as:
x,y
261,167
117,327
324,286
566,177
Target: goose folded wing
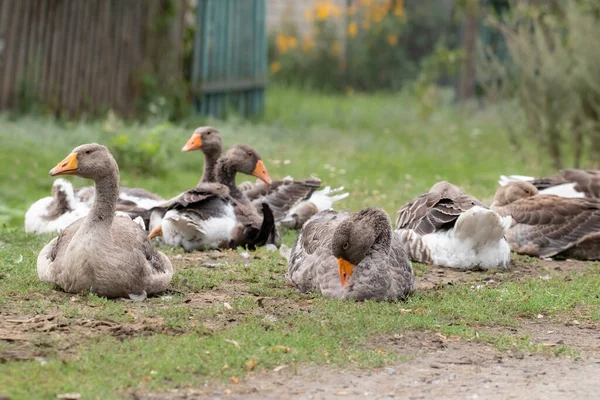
x,y
282,196
431,212
547,225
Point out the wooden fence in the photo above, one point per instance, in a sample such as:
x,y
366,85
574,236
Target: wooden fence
x,y
75,56
230,57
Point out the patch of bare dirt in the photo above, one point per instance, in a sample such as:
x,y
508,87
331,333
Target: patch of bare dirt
x,y
520,268
439,367
31,336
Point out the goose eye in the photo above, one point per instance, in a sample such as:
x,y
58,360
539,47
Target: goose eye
x,y
250,153
346,245
209,132
88,152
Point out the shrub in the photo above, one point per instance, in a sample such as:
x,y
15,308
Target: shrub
x,y
552,74
139,150
371,45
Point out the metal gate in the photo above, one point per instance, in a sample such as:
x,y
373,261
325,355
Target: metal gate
x,y
229,66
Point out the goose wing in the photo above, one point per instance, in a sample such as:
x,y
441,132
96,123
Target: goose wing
x,y
547,225
282,195
431,212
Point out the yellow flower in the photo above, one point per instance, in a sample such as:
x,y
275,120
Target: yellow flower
x,y
275,67
282,43
352,29
322,10
399,9
336,48
307,44
292,42
378,14
365,2
392,40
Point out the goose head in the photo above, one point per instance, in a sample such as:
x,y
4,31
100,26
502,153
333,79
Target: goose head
x,y
205,138
243,158
90,161
354,238
512,192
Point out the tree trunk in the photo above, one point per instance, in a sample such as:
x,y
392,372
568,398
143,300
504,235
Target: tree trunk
x,y
466,87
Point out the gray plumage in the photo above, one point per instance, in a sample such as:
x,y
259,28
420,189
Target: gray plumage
x,y
381,269
548,225
107,255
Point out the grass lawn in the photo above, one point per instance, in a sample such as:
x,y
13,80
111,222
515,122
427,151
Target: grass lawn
x,y
232,313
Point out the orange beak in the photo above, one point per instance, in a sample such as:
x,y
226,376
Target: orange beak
x,y
345,268
194,143
68,166
260,171
156,232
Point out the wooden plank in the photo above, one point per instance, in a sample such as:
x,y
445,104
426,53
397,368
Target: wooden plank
x,y
7,8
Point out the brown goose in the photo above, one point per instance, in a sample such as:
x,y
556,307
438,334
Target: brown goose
x,y
291,201
565,183
217,215
546,226
450,228
106,254
351,256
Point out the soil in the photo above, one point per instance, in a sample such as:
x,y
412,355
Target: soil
x,y
436,366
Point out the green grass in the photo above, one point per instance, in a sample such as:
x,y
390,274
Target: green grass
x,y
375,145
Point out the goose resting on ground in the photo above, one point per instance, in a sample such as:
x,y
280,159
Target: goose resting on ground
x,y
292,202
108,255
218,215
565,183
449,228
351,257
546,226
54,213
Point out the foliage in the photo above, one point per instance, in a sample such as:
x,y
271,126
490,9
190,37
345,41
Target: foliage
x,y
552,73
371,45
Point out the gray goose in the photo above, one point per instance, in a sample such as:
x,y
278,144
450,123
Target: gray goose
x,y
291,201
108,255
565,183
449,228
348,256
217,214
548,225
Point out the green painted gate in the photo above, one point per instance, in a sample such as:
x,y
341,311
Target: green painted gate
x,y
229,68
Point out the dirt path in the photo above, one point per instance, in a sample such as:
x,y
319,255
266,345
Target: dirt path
x,y
439,368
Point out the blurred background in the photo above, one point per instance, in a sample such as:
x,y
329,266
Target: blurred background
x,y
383,96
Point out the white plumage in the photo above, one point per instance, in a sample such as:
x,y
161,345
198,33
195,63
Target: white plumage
x,y
476,240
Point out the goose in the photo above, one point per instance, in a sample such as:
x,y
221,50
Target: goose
x,y
547,226
67,204
291,201
449,228
351,256
217,214
54,213
572,183
107,254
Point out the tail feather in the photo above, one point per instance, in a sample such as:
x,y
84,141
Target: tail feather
x,y
267,234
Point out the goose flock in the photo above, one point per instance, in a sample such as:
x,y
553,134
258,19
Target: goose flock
x,y
106,233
